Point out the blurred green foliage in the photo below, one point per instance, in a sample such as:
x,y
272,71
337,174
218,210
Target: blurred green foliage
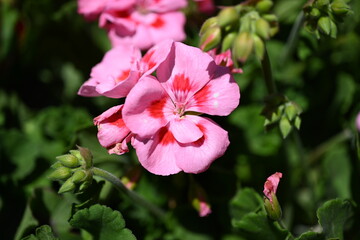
x,y
47,51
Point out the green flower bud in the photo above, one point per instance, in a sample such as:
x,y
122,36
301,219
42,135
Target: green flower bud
x,y
291,111
340,8
77,154
228,41
333,29
60,173
78,176
321,3
315,13
56,165
273,208
324,24
68,160
210,22
285,127
243,46
264,6
270,18
259,47
227,16
262,28
68,186
87,156
297,122
210,39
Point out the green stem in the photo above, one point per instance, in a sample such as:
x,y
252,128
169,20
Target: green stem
x,y
266,67
293,37
324,147
282,225
132,195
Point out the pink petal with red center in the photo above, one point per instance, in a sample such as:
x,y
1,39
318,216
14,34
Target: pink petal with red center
x,y
115,75
163,5
111,127
196,157
184,130
147,107
220,96
185,71
158,154
271,185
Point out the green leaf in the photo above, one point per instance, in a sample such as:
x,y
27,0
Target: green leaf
x,y
255,226
42,233
102,222
246,200
311,236
28,222
334,216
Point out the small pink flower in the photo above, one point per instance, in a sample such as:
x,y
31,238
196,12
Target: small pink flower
x,y
115,75
358,121
169,137
224,59
271,185
112,131
204,209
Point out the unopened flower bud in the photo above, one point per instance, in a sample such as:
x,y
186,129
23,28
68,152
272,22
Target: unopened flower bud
x,y
243,46
324,25
78,176
210,22
321,3
68,186
56,165
210,39
228,41
270,18
262,28
315,13
264,6
60,173
259,47
87,156
273,208
227,16
68,160
339,7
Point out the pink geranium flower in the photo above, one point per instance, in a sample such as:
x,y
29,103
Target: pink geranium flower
x,y
163,111
115,75
142,23
112,132
271,185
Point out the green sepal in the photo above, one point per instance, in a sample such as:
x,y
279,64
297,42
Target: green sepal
x,y
68,160
285,127
210,22
68,186
61,173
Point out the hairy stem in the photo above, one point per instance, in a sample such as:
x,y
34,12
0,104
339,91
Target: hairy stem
x,y
130,194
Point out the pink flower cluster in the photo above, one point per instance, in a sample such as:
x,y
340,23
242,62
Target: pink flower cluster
x,y
141,23
161,114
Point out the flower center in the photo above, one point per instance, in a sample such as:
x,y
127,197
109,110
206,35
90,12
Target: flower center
x,y
179,109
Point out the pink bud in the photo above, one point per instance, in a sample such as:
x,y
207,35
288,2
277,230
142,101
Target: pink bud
x,y
271,185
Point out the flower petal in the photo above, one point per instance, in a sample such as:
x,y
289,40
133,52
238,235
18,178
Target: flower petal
x,y
185,71
111,127
184,130
158,154
220,96
271,185
164,5
147,108
197,156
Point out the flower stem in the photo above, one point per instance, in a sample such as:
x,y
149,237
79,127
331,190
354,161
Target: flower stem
x,y
282,225
130,194
266,67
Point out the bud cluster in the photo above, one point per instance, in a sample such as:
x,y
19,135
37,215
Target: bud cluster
x,y
74,169
280,111
242,28
322,16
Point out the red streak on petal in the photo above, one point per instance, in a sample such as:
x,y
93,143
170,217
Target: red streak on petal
x,y
115,119
181,83
156,108
158,23
202,96
165,136
123,76
147,59
121,14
